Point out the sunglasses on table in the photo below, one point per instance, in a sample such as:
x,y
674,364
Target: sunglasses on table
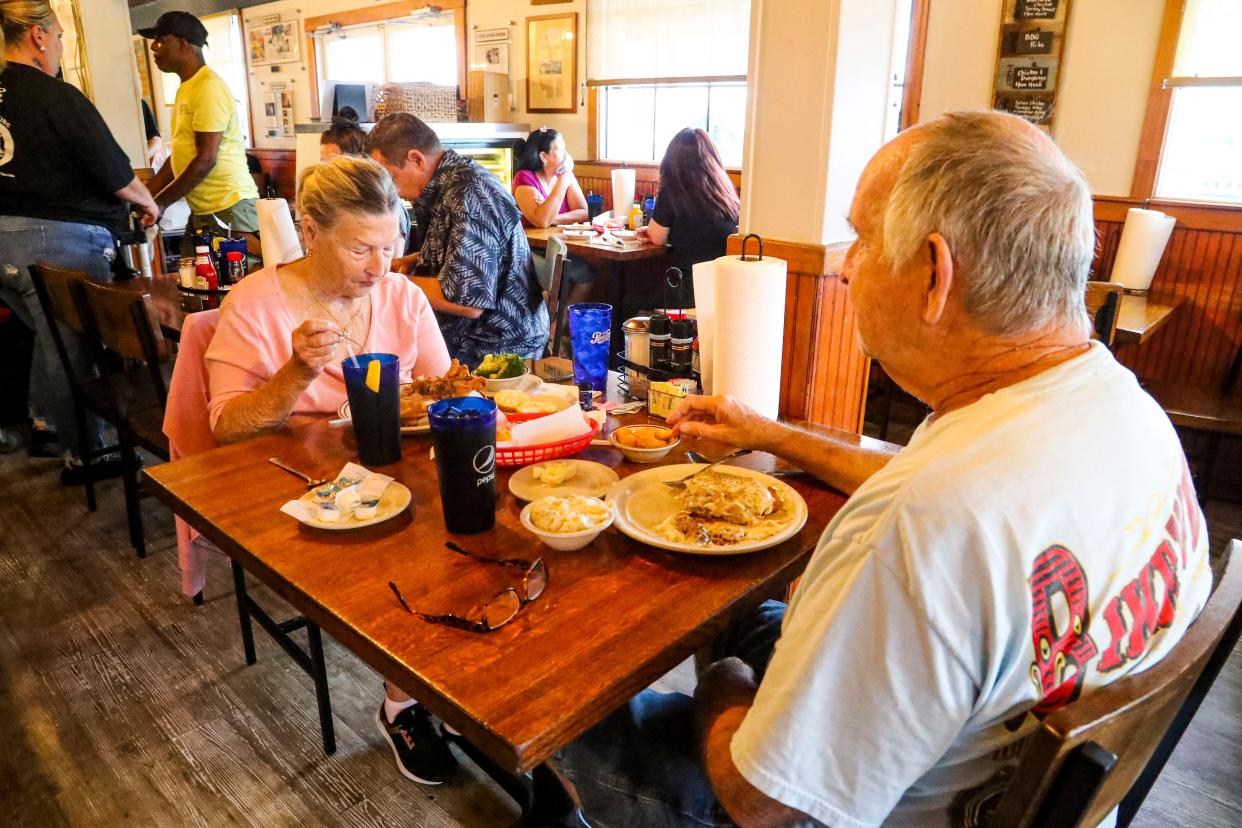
x,y
502,608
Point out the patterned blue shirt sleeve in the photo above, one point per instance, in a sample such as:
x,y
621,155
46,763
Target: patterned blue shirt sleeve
x,y
471,269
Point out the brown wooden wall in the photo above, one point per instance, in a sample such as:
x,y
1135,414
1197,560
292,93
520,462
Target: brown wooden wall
x,y
1203,265
281,168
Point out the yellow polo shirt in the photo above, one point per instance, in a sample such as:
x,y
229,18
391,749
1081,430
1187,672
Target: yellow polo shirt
x,y
205,104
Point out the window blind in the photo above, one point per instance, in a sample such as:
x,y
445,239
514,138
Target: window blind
x,y
640,39
1207,45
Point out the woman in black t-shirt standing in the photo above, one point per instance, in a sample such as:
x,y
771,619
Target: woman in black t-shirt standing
x,y
64,182
696,210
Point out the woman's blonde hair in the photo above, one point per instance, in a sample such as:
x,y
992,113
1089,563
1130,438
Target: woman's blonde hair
x,y
18,17
346,184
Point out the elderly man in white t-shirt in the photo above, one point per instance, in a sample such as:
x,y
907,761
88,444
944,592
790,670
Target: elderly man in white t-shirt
x,y
1038,538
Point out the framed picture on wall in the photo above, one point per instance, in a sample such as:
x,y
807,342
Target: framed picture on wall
x,y
492,57
552,63
274,43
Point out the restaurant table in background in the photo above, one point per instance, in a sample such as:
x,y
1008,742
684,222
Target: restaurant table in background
x,y
615,617
1141,315
608,262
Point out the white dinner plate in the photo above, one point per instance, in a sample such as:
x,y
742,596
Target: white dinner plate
x,y
582,225
423,426
642,501
592,480
578,234
392,502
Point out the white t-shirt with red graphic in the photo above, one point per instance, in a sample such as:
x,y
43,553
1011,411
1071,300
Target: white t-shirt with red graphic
x,y
1021,551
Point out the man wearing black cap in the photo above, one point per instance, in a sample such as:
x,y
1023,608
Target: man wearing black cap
x,y
208,163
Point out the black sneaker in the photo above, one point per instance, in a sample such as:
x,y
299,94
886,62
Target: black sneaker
x,y
75,473
421,753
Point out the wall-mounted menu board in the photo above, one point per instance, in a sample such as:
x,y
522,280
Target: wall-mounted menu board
x,y
1028,61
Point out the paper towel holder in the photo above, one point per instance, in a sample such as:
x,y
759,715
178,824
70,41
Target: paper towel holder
x,y
675,279
758,239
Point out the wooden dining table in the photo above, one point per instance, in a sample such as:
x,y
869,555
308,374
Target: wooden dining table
x,y
615,616
608,261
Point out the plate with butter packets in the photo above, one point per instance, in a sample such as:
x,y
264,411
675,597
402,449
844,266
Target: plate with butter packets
x,y
357,497
562,478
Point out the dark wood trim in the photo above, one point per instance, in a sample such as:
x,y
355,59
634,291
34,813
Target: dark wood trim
x,y
375,14
592,122
573,107
1156,119
1190,215
912,92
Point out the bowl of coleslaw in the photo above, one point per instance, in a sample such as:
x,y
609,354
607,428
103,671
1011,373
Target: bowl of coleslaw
x,y
566,523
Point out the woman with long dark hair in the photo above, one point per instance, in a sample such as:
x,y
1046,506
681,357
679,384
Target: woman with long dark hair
x,y
697,207
548,194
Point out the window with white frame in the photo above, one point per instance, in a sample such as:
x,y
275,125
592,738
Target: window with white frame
x,y
419,48
1199,160
659,67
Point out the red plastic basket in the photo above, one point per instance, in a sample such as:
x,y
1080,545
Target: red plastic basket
x,y
525,455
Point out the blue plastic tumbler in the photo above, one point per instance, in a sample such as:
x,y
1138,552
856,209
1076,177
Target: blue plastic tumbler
x,y
595,204
372,382
590,334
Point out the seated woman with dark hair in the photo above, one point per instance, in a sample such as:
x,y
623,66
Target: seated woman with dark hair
x,y
548,194
697,208
344,137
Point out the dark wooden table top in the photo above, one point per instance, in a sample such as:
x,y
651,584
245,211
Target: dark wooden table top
x,y
1142,315
538,238
616,615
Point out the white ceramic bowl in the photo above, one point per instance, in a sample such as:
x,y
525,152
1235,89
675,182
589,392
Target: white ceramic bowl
x,y
563,541
642,455
495,385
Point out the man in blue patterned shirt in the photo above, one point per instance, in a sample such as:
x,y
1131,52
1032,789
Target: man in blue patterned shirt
x,y
473,259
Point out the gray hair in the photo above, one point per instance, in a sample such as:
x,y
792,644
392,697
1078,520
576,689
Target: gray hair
x,y
1016,213
346,184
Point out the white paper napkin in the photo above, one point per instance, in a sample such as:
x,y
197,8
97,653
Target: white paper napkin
x,y
553,428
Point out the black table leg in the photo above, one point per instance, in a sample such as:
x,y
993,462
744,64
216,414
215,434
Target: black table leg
x,y
243,612
320,675
614,272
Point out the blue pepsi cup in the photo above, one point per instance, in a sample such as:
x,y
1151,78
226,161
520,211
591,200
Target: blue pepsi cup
x,y
464,430
375,406
590,335
595,204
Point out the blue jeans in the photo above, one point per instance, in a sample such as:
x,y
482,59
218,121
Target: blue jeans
x,y
84,247
640,766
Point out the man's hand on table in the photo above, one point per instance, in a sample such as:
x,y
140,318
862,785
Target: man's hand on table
x,y
725,420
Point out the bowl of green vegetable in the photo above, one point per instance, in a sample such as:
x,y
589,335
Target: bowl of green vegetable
x,y
501,371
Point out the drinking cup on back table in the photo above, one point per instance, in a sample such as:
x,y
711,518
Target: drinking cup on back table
x,y
464,430
372,382
590,334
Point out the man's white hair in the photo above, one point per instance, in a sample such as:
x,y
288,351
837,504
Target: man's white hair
x,y
1016,213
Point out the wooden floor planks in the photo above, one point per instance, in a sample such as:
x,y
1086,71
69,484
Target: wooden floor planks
x,y
122,703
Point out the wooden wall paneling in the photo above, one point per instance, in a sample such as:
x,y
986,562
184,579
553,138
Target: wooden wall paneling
x,y
823,371
281,168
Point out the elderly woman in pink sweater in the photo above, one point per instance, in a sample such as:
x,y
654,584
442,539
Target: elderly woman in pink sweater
x,y
282,332
278,352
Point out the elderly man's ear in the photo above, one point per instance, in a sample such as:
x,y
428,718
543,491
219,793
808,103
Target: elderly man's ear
x,y
939,279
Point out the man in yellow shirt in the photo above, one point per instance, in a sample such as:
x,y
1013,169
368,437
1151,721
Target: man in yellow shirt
x,y
208,163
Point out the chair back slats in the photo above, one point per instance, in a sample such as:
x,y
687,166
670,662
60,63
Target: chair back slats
x,y
53,284
124,323
557,287
1128,719
1103,306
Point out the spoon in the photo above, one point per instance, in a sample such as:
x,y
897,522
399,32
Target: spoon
x,y
311,483
681,484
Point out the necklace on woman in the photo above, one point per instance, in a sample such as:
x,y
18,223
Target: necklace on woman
x,y
346,329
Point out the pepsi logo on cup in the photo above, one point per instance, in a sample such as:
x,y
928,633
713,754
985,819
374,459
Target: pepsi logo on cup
x,y
599,338
484,462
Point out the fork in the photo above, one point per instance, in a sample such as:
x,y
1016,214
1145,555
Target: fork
x,y
311,483
681,484
695,457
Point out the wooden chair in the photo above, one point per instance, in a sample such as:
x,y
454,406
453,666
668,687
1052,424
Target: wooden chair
x,y
1103,306
133,399
1216,412
556,286
1106,749
52,286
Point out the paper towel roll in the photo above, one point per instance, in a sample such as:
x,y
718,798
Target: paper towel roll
x,y
277,237
622,193
1143,239
705,314
749,331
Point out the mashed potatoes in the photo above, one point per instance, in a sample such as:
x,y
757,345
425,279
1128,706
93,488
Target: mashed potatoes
x,y
574,513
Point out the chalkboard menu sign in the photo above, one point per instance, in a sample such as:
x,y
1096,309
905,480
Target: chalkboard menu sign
x,y
1028,63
